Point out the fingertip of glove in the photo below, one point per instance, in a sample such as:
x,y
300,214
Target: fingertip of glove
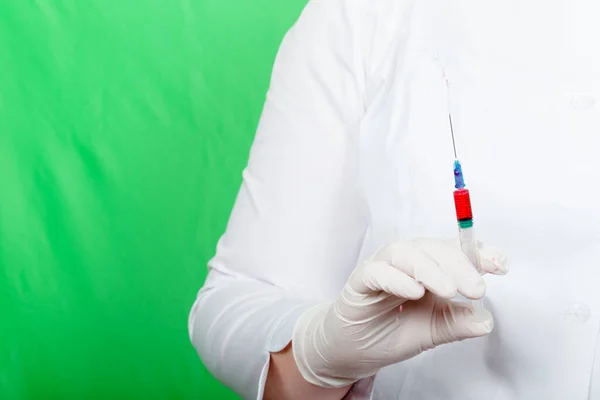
x,y
474,288
444,289
494,262
418,292
482,328
477,322
483,323
448,293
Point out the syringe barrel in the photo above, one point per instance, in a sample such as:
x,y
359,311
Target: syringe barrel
x,y
462,204
468,244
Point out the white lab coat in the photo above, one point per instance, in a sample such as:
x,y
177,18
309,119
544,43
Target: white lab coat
x,y
353,151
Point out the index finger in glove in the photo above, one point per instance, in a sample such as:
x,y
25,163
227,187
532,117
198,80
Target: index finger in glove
x,y
418,263
379,276
457,265
493,261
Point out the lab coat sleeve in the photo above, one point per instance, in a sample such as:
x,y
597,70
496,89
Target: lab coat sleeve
x,y
296,229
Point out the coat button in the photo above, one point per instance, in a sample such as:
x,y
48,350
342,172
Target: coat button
x,y
579,312
583,101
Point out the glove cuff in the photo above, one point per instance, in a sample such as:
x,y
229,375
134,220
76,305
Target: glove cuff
x,y
307,342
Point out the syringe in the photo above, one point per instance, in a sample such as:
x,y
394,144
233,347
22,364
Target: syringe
x,y
464,216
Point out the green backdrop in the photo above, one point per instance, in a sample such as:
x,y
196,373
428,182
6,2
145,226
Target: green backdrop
x,y
124,128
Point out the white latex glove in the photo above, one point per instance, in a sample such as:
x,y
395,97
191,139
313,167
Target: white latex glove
x,y
393,307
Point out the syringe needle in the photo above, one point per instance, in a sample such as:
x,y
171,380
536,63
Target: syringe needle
x,y
452,132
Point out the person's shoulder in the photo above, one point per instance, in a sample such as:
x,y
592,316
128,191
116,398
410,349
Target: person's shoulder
x,y
360,26
356,13
383,9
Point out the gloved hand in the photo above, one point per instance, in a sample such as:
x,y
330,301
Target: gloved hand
x,y
393,307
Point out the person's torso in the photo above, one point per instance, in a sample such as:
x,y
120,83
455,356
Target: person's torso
x,y
525,100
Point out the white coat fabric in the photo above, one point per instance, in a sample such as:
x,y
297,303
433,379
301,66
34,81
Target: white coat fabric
x,y
353,151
